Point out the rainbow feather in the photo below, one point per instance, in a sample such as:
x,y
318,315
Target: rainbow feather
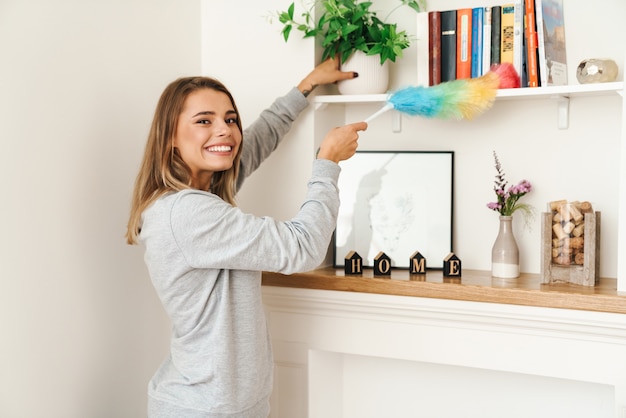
x,y
456,99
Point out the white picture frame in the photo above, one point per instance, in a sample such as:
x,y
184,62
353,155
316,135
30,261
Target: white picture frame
x,y
397,202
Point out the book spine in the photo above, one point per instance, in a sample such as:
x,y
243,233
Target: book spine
x,y
531,44
524,73
434,48
423,54
486,40
507,32
448,45
463,43
518,36
496,32
542,67
477,41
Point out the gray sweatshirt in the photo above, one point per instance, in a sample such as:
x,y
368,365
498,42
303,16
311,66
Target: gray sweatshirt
x,y
205,259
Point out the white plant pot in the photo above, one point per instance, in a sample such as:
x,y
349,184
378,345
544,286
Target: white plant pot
x,y
373,77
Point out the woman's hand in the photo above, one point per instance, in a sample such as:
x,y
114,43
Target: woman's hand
x,y
325,73
341,143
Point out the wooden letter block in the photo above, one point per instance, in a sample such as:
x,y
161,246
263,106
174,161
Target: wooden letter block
x,y
452,266
417,263
353,263
382,265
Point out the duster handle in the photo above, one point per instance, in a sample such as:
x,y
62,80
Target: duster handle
x,y
382,110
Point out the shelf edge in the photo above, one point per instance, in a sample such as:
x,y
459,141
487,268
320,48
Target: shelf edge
x,y
522,93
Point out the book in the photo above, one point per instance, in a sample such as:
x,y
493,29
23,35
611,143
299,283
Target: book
x,y
463,43
477,41
448,45
518,36
423,50
496,32
530,35
507,33
541,51
524,73
486,40
554,55
434,48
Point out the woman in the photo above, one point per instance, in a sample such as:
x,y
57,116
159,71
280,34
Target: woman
x,y
205,256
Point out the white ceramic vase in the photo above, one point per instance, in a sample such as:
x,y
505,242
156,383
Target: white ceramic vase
x,y
373,77
504,253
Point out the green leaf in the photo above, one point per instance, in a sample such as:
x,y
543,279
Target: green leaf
x,y
349,29
418,6
385,55
360,44
334,26
286,31
375,49
290,10
329,39
308,18
284,17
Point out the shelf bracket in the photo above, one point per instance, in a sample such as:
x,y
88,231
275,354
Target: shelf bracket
x,y
396,122
320,106
562,103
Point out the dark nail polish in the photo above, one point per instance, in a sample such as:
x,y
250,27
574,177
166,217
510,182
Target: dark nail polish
x,y
355,74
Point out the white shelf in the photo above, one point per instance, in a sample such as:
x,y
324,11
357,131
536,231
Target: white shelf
x,y
561,94
504,94
577,90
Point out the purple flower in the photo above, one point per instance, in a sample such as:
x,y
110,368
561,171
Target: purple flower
x,y
508,201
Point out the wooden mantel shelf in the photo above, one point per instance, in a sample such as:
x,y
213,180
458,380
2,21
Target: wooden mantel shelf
x,y
476,286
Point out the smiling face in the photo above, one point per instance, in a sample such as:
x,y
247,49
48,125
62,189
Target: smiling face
x,y
207,135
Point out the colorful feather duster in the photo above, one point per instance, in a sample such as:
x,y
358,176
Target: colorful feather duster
x,y
457,99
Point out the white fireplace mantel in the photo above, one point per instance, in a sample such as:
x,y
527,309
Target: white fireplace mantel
x,y
360,355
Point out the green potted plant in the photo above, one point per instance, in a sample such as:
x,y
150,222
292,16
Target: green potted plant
x,y
350,27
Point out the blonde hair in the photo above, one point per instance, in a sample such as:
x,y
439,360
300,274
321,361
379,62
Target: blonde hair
x,y
162,169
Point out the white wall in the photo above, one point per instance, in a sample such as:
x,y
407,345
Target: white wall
x,y
81,327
